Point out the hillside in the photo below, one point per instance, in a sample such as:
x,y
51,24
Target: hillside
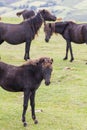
x,y
67,9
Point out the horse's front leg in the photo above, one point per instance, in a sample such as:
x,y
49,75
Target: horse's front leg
x,y
32,103
27,50
25,105
72,58
67,49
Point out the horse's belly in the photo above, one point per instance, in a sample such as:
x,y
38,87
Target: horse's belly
x,y
77,35
14,41
78,41
77,38
12,88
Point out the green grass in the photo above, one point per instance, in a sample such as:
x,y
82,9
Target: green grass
x,y
64,102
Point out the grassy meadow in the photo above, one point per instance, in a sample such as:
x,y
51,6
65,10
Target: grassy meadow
x,y
64,102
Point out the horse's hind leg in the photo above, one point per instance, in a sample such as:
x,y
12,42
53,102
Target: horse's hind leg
x,y
68,46
27,50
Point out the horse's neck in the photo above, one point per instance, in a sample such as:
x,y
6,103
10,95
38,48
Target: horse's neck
x,y
37,70
39,74
37,22
56,29
34,69
59,29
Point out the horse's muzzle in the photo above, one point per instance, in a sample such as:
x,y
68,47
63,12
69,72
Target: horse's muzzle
x,y
47,83
46,40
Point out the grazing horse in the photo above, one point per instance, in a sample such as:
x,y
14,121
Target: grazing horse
x,y
24,31
70,31
26,78
26,14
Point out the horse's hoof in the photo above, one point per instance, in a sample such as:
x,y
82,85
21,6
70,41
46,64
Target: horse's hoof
x,y
65,58
71,60
25,59
35,121
25,124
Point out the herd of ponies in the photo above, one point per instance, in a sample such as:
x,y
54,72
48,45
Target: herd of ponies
x,y
28,77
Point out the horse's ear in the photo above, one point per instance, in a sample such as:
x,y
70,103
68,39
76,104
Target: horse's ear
x,y
37,63
49,25
52,60
41,60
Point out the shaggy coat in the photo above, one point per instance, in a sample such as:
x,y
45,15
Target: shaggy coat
x,y
26,78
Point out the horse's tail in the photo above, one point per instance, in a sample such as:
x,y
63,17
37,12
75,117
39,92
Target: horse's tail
x,y
19,13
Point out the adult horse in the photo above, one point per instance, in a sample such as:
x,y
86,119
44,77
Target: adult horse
x,y
26,78
25,31
26,14
70,31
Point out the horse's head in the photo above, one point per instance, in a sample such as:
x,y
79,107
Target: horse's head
x,y
46,65
47,16
49,28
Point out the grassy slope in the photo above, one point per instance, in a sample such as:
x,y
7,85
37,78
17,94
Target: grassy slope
x,y
64,102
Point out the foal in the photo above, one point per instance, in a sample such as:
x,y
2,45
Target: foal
x,y
26,78
70,31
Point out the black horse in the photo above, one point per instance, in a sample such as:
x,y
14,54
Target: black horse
x,y
26,14
70,31
26,78
25,31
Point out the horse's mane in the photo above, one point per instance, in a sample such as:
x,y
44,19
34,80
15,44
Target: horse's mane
x,y
35,23
35,61
53,25
31,62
